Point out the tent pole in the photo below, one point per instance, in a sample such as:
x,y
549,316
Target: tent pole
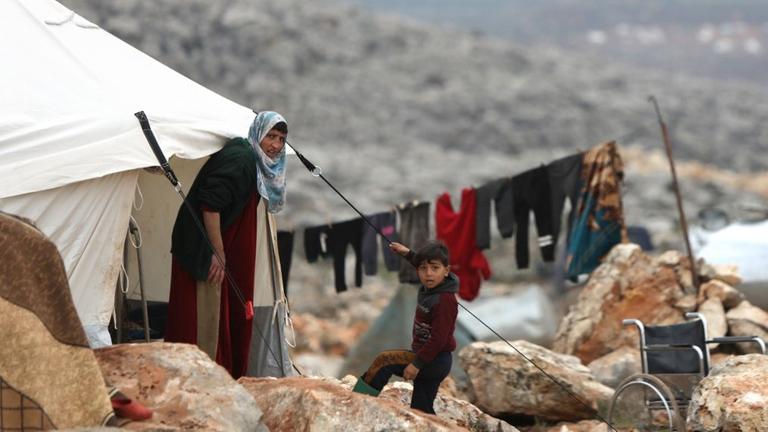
x,y
119,298
676,186
134,232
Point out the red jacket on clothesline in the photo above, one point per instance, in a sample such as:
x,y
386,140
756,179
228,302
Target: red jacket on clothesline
x,y
457,231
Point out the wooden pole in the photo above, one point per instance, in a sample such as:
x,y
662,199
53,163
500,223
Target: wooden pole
x,y
676,186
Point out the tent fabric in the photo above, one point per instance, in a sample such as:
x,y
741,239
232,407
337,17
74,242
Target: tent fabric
x,y
268,353
71,147
77,123
87,221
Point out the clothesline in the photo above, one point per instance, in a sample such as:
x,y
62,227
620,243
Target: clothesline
x,y
542,190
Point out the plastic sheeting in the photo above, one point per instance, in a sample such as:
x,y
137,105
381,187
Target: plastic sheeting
x,y
743,244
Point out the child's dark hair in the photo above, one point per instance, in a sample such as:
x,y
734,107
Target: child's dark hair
x,y
433,250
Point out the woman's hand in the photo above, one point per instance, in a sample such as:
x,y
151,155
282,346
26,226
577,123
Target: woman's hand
x,y
212,221
399,249
410,372
216,271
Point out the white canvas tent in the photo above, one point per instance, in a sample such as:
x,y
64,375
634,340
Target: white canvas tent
x,y
71,150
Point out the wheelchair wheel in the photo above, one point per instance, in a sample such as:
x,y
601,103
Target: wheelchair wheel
x,y
644,403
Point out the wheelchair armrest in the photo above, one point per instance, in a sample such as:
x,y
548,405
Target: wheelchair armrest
x,y
736,339
669,347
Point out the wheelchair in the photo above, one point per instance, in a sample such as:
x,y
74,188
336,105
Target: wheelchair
x,y
674,359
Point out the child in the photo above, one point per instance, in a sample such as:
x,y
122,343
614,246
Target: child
x,y
429,361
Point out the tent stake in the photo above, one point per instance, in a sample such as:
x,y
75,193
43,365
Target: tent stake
x,y
676,186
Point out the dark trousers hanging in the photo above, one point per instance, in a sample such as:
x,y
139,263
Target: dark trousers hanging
x,y
386,223
531,192
314,242
564,176
341,235
414,233
500,193
285,250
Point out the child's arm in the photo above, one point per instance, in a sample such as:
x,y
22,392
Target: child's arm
x,y
399,248
403,251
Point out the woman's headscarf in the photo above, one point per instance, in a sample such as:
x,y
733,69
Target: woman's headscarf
x,y
271,172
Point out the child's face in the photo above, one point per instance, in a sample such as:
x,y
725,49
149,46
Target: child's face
x,y
431,273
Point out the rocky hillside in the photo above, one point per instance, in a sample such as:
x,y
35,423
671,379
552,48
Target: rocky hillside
x,y
395,109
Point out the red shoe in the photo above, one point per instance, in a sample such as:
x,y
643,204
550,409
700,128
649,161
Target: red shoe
x,y
130,409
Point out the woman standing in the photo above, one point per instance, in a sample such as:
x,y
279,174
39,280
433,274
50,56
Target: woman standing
x,y
227,193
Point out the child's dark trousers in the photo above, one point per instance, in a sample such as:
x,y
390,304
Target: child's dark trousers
x,y
425,385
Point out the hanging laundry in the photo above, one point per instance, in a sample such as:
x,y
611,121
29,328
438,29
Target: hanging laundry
x,y
599,220
505,209
457,230
500,192
386,223
341,235
315,242
285,250
531,192
564,176
414,233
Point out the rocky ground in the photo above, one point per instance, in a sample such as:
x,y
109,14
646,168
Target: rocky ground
x,y
590,356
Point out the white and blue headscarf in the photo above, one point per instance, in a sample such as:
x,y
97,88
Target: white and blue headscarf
x,y
271,172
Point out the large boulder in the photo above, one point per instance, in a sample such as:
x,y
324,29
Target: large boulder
x,y
611,369
182,385
458,411
727,273
714,314
502,382
729,296
628,284
747,320
733,397
324,404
